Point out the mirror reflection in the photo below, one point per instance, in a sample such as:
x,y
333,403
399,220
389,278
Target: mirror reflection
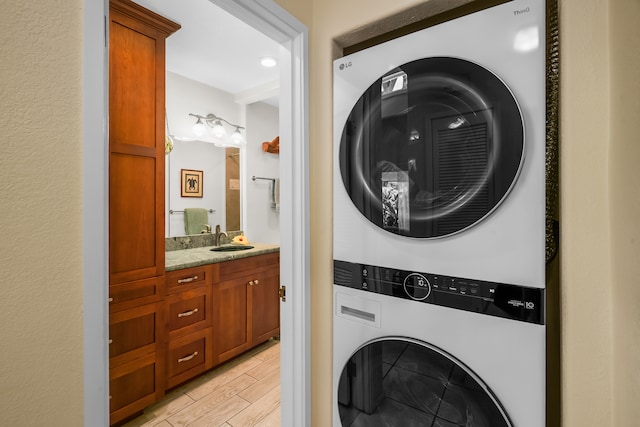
x,y
210,172
216,189
220,83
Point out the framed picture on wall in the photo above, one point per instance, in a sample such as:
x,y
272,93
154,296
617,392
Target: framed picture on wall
x,y
191,183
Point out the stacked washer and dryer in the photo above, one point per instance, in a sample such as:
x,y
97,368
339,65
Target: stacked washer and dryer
x,y
439,225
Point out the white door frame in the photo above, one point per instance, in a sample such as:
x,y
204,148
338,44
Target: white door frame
x,y
273,21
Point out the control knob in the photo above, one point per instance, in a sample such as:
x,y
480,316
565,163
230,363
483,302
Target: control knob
x,y
417,286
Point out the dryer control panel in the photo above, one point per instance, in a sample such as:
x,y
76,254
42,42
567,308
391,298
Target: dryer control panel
x,y
494,299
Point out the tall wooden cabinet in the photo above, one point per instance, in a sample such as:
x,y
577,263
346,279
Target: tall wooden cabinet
x,y
136,205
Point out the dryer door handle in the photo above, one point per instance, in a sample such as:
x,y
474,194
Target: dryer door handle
x,y
354,312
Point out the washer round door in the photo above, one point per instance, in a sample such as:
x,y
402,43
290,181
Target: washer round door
x,y
432,147
407,383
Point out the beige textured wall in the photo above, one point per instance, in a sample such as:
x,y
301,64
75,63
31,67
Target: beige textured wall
x,y
40,226
585,214
625,209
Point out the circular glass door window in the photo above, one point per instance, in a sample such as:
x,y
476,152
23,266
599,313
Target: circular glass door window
x,y
394,382
432,148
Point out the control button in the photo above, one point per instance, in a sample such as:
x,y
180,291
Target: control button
x,y
365,285
417,286
452,286
474,289
364,272
489,290
462,286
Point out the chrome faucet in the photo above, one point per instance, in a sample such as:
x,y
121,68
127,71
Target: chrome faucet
x,y
218,235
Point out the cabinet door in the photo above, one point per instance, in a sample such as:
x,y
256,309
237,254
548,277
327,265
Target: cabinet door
x,y
230,327
136,141
265,306
133,386
133,333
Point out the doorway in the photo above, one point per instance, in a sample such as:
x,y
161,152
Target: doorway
x,y
273,21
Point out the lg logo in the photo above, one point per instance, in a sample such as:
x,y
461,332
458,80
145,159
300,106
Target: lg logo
x,y
345,65
529,305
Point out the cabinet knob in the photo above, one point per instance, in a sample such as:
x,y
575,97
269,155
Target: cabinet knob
x,y
250,282
110,342
256,281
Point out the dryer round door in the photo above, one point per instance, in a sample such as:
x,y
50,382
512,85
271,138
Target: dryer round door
x,y
406,383
432,147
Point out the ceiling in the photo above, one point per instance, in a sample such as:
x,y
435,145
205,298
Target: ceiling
x,y
217,49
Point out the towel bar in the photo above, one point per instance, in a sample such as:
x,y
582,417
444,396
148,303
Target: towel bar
x,y
171,211
253,178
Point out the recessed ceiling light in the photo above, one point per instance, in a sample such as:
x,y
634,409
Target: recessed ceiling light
x,y
268,62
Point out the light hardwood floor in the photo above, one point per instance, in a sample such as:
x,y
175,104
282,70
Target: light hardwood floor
x,y
243,392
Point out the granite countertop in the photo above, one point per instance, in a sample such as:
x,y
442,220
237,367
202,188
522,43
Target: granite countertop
x,y
185,258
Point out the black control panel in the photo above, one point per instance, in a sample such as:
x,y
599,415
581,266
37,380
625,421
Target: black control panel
x,y
490,298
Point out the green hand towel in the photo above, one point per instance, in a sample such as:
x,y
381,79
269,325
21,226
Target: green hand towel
x,y
195,220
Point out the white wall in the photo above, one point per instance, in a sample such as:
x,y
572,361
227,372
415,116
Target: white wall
x,y
185,96
202,156
262,222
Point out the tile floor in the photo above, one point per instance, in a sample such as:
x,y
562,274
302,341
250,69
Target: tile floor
x,y
243,392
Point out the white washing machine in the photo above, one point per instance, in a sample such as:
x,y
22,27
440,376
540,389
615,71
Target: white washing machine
x,y
439,225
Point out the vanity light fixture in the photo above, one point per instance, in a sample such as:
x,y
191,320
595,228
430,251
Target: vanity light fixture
x,y
217,128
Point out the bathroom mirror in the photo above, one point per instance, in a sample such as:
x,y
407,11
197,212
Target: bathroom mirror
x,y
220,185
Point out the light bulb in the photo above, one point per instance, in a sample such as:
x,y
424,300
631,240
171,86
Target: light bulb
x,y
218,130
236,137
199,128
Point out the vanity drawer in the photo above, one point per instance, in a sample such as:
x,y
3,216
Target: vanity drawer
x,y
188,356
188,311
133,294
247,266
188,278
133,333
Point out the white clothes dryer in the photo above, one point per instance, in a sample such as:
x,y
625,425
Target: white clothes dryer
x,y
439,225
439,148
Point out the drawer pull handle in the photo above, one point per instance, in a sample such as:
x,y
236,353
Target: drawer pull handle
x,y
187,280
188,313
187,358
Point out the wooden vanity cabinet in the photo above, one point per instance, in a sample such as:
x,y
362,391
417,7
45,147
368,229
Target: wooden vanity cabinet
x,y
188,318
246,304
136,205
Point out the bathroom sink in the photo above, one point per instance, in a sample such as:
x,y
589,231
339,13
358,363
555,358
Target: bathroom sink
x,y
231,248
